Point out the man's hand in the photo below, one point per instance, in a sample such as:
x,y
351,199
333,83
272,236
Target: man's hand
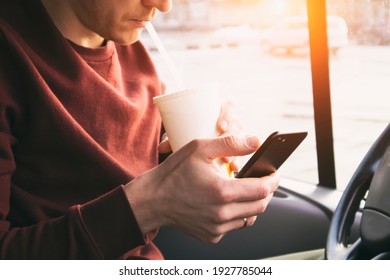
x,y
188,192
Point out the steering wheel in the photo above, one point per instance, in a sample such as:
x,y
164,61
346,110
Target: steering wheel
x,y
372,175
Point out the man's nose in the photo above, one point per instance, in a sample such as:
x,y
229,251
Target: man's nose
x,y
162,5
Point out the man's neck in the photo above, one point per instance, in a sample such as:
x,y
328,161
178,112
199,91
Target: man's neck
x,y
69,24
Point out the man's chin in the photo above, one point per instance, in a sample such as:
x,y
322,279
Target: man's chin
x,y
127,39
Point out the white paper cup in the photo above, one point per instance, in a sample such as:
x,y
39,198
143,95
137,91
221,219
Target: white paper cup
x,y
191,114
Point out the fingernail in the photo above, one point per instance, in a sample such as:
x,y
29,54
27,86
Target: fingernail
x,y
252,141
224,125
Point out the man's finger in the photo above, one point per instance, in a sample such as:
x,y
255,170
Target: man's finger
x,y
250,189
231,145
165,147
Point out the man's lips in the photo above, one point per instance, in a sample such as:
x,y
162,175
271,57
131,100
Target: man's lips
x,y
139,23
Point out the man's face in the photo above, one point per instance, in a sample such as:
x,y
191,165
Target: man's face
x,y
118,20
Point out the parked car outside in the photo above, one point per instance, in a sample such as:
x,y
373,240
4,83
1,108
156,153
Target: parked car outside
x,y
291,33
235,36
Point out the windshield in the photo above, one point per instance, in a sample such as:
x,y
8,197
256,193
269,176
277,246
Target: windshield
x,y
265,71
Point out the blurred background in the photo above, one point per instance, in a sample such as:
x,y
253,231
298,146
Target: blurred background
x,y
258,52
368,20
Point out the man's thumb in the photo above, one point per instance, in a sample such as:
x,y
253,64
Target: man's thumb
x,y
233,145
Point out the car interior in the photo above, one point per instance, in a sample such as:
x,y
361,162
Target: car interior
x,y
349,219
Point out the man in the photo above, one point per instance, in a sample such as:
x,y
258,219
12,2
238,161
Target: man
x,y
79,140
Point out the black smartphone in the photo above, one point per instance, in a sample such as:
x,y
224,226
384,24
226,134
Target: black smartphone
x,y
271,154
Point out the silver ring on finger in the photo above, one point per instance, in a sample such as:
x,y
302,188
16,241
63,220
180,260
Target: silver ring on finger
x,y
245,223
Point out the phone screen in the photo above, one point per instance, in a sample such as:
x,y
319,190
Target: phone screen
x,y
271,154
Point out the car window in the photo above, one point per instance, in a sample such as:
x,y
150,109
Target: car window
x,y
266,71
270,87
359,79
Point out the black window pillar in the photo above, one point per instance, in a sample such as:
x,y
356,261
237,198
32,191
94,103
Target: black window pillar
x,y
319,56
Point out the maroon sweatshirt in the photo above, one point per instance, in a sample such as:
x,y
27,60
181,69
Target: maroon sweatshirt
x,y
75,125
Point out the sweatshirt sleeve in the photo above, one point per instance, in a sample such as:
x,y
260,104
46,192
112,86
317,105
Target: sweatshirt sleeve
x,y
85,232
